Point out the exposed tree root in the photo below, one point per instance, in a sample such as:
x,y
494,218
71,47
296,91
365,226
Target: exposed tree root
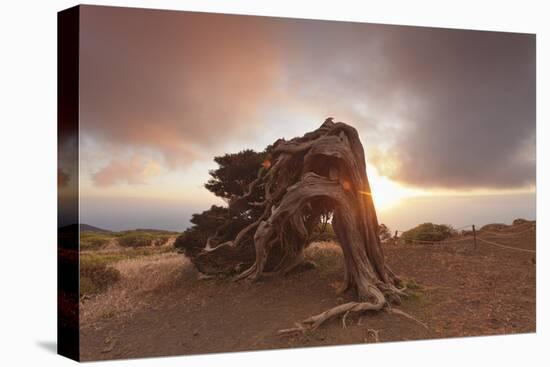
x,y
404,314
344,326
374,334
345,309
298,329
312,323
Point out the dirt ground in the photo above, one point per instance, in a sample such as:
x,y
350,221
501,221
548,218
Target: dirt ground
x,y
456,290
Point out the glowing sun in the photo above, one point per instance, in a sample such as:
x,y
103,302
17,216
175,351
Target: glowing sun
x,y
385,192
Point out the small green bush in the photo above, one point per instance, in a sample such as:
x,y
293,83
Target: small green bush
x,y
102,258
520,221
494,227
96,276
323,233
140,238
428,232
93,240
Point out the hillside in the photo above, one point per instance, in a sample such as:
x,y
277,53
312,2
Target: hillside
x,y
162,306
88,228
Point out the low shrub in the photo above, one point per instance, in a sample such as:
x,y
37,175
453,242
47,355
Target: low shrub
x,y
96,276
428,232
323,233
93,240
521,221
494,227
139,238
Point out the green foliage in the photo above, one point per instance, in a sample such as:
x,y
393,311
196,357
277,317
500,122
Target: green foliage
x,y
428,232
102,258
235,172
135,238
192,241
93,240
210,219
323,233
141,238
232,178
520,221
204,225
96,276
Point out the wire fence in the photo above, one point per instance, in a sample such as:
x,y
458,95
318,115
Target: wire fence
x,y
506,247
456,229
512,234
476,236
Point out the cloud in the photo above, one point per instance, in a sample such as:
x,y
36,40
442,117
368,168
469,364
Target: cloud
x,y
134,171
472,123
436,108
178,83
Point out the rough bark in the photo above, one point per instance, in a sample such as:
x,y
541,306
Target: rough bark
x,y
305,178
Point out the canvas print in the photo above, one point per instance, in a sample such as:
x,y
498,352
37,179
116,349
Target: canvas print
x,y
234,183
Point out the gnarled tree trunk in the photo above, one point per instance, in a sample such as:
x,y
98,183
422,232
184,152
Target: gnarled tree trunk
x,y
303,179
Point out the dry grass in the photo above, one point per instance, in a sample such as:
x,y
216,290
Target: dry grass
x,y
149,275
141,279
327,256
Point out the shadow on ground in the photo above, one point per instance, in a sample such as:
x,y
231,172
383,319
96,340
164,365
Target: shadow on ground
x,y
48,345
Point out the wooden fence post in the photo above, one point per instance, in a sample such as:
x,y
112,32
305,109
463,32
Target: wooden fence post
x,y
475,241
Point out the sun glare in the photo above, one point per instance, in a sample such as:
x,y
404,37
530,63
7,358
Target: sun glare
x,y
386,193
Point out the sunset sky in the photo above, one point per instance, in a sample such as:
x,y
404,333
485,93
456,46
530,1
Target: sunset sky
x,y
447,117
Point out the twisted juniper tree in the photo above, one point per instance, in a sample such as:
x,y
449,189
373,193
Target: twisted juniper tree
x,y
274,206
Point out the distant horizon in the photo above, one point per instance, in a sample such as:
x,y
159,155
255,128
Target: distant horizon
x,y
524,204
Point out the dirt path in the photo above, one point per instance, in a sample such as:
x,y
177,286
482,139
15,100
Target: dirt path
x,y
461,292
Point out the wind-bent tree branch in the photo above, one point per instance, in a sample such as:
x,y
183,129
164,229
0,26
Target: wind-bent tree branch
x,y
278,197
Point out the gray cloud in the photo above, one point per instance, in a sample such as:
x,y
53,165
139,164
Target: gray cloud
x,y
178,83
475,121
452,108
435,107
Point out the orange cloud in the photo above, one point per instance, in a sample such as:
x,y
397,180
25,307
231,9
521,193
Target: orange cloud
x,y
174,83
136,170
